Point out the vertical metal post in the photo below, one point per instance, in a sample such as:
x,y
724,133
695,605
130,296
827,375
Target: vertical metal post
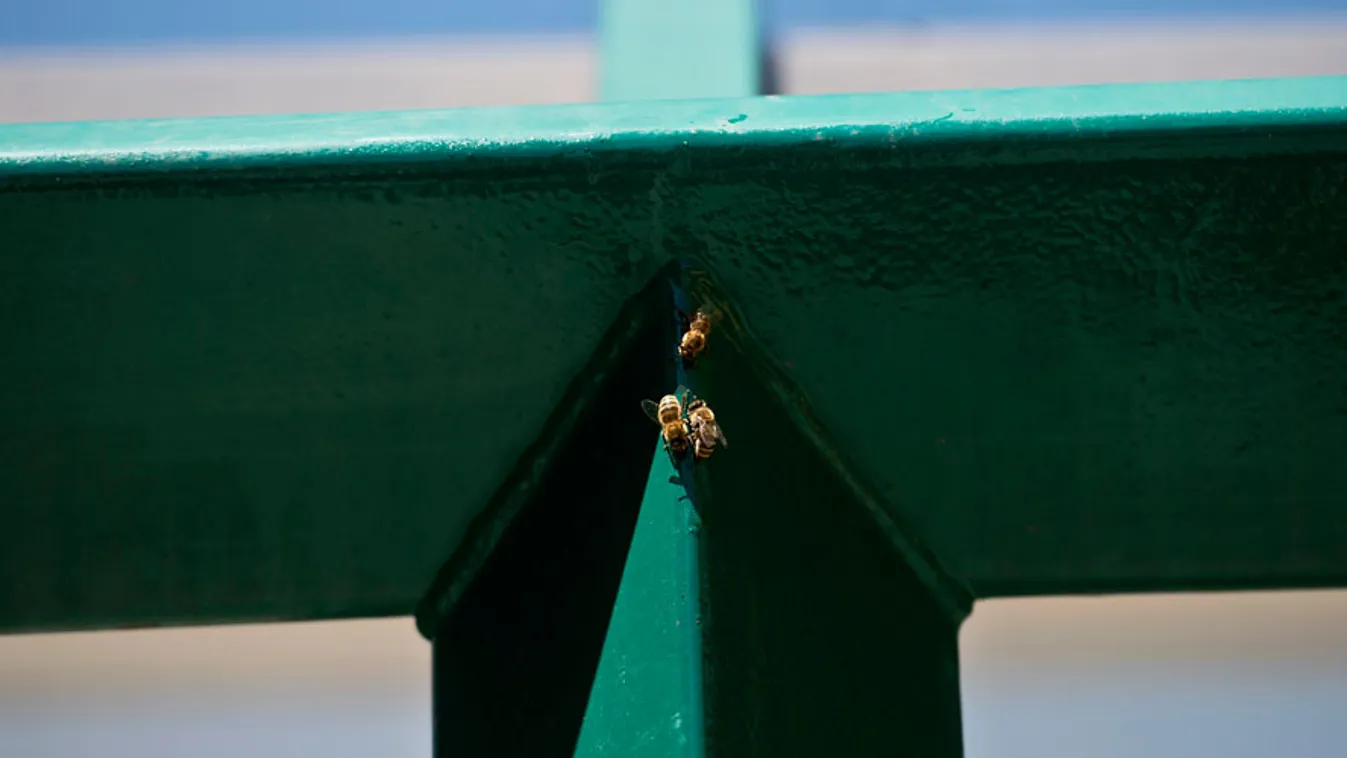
x,y
657,49
793,624
647,698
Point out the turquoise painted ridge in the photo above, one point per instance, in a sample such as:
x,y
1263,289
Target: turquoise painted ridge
x,y
291,142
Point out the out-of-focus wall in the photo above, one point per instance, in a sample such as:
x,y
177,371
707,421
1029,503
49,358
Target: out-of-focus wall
x,y
1239,675
69,84
335,689
1060,53
59,84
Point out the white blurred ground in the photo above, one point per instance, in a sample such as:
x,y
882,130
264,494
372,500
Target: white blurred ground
x,y
1245,675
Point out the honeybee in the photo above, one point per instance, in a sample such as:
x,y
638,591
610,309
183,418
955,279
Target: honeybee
x,y
695,331
701,421
668,413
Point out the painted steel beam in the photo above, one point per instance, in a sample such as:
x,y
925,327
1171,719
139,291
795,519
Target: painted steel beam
x,y
1071,340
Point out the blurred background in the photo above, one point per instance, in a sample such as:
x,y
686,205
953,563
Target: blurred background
x,y
1243,675
1234,675
84,59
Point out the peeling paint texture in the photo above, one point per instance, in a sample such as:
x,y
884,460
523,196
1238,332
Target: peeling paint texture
x,y
1075,339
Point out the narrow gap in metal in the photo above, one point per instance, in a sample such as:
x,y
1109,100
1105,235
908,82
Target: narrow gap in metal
x,y
647,697
691,549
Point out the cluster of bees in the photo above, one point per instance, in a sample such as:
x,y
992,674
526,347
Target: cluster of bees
x,y
688,424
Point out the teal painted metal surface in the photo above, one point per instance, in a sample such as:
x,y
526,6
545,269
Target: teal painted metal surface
x,y
688,49
1071,339
1089,119
647,695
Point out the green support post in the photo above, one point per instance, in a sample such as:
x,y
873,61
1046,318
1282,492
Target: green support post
x,y
819,637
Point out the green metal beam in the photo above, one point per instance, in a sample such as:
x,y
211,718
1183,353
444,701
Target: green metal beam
x,y
1073,340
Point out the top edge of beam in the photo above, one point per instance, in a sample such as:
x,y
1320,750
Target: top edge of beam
x,y
410,137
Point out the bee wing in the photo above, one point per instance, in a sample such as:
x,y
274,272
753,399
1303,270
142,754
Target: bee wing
x,y
720,437
685,396
651,409
711,314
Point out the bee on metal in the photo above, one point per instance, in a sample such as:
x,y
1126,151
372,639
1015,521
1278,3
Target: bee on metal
x,y
669,414
695,331
701,421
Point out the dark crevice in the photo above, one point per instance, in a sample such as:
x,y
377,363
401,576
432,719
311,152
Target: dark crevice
x,y
631,356
515,654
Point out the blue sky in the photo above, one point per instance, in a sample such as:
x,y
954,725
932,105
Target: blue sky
x,y
99,22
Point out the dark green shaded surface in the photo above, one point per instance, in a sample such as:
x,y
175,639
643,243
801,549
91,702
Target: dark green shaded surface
x,y
820,638
630,349
1071,377
515,657
234,397
1074,340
